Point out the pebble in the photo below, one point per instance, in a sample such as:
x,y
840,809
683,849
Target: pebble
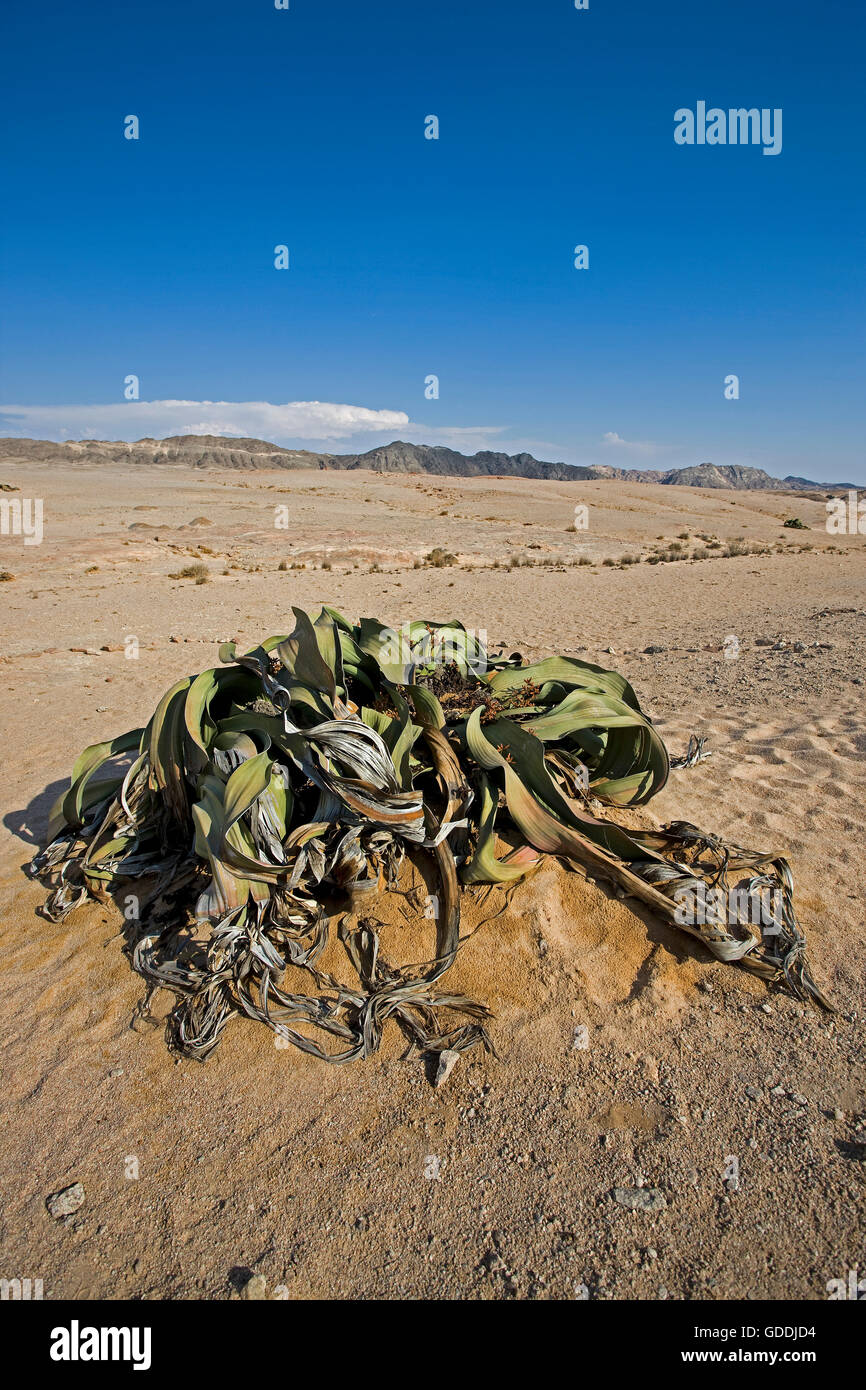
x,y
447,1062
255,1289
640,1198
66,1201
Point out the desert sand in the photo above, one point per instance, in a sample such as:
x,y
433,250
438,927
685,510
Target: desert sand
x,y
365,1181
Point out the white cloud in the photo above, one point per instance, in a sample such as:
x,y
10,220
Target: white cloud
x,y
306,420
612,440
468,439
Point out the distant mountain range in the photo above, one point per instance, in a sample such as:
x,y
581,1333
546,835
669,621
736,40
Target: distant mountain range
x,y
215,451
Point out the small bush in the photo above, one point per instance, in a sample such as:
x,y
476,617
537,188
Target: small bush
x,y
200,573
439,558
736,547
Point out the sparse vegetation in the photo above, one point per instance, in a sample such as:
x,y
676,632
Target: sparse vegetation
x,y
439,558
199,572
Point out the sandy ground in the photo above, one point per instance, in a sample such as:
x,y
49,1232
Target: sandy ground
x,y
364,1181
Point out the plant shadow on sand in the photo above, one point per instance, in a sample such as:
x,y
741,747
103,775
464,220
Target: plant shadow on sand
x,y
30,823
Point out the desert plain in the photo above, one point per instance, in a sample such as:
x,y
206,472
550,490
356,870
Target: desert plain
x,y
629,1061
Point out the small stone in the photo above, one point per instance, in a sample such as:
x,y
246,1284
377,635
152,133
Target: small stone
x,y
654,651
778,1092
838,1114
640,1198
753,1093
766,1008
66,1201
447,1062
172,638
255,1289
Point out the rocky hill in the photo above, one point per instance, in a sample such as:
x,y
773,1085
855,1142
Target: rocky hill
x,y
216,451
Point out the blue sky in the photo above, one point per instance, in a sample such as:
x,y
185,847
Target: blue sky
x,y
454,257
